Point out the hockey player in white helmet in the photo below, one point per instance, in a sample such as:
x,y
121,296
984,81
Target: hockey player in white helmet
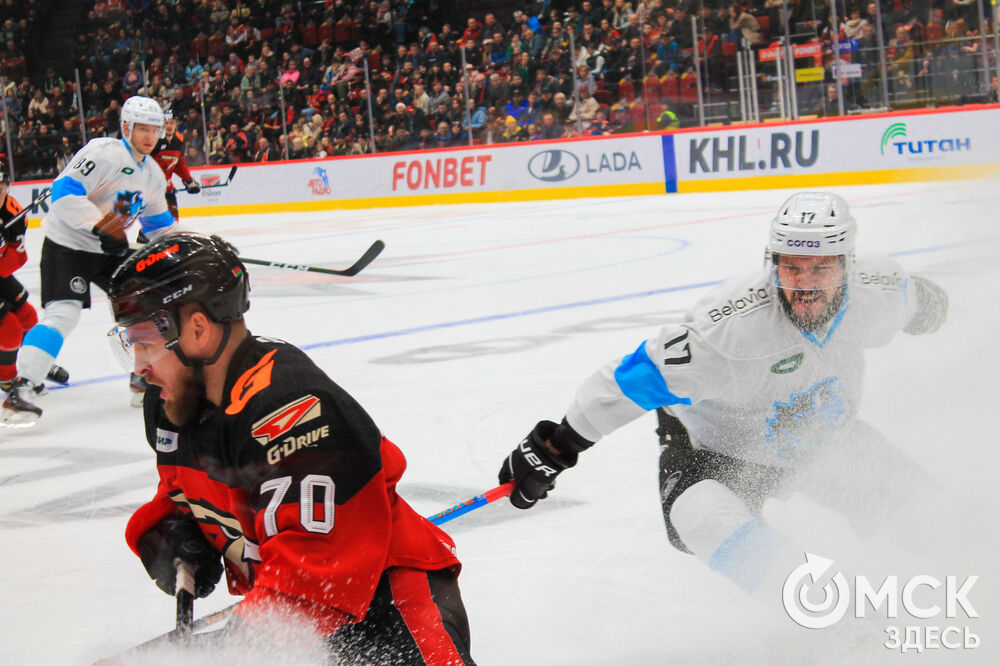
x,y
107,185
756,391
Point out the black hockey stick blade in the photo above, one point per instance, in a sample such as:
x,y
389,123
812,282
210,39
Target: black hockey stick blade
x,y
229,179
42,196
185,610
365,259
175,636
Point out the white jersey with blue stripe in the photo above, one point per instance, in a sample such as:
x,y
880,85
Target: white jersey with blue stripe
x,y
742,378
90,185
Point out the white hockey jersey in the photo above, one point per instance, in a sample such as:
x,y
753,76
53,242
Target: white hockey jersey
x,y
90,185
742,378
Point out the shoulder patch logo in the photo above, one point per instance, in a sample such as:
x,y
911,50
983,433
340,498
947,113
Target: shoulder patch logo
x,y
166,441
250,383
283,419
786,365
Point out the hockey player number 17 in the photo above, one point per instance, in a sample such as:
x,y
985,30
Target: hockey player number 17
x,y
307,502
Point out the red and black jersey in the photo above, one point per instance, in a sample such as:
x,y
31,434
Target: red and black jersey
x,y
292,482
12,252
169,154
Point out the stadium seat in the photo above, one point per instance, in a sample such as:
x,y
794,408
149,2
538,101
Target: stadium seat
x,y
637,114
199,47
670,88
689,88
728,49
342,31
651,89
309,35
216,46
626,89
764,22
326,32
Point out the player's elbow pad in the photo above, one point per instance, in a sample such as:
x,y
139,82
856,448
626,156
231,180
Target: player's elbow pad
x,y
932,307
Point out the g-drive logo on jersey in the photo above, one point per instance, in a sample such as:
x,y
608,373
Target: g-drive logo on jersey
x,y
281,421
816,596
896,141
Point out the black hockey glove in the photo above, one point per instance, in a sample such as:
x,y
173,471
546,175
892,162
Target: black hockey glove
x,y
180,539
533,466
192,187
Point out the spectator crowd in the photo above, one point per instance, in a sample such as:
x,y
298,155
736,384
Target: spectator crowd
x,y
263,80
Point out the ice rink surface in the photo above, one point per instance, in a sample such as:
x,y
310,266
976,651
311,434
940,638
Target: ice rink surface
x,y
479,320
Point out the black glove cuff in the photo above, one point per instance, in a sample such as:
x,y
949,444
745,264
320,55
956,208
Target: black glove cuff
x,y
567,440
545,431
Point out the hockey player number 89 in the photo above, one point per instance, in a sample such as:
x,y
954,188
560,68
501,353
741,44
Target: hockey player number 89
x,y
307,502
85,166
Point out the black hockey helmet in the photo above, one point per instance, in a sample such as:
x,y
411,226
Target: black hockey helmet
x,y
169,272
178,269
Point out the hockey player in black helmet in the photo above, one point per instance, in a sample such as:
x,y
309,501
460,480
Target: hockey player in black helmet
x,y
236,421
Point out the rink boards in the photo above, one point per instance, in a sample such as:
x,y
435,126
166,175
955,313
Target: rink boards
x,y
924,145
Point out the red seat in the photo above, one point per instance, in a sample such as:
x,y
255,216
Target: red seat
x,y
326,32
199,47
654,112
309,35
602,96
670,88
374,61
216,46
626,89
764,22
637,114
342,31
266,33
651,89
689,88
728,49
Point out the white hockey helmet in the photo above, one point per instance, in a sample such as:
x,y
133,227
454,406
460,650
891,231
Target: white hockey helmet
x,y
813,224
143,110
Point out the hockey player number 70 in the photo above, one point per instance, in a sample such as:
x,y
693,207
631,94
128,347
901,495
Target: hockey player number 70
x,y
307,507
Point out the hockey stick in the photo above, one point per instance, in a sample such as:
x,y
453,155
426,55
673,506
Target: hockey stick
x,y
229,179
472,503
196,626
27,209
351,271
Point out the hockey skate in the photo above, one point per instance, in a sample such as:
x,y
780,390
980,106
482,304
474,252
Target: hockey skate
x,y
18,411
137,384
57,374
